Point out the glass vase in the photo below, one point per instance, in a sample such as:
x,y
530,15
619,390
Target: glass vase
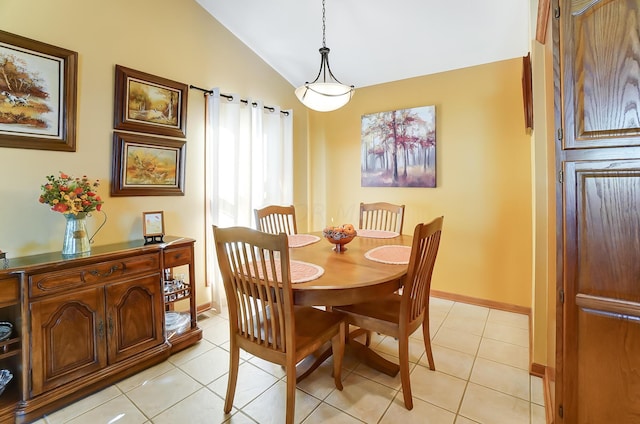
x,y
76,238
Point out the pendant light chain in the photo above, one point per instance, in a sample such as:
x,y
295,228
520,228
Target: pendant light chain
x,y
324,26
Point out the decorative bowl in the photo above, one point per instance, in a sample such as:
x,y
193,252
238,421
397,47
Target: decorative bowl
x,y
6,328
5,378
340,236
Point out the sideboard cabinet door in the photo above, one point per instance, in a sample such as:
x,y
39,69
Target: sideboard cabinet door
x,y
68,337
134,316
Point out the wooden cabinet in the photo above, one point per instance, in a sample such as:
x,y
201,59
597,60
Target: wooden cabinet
x,y
91,321
596,51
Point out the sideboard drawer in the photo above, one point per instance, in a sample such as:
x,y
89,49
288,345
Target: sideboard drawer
x,y
178,256
100,272
9,290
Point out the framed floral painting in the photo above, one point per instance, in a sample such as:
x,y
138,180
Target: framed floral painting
x,y
38,91
147,166
149,104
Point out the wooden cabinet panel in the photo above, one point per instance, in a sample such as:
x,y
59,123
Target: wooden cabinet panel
x,y
68,338
602,301
606,201
601,49
608,359
134,316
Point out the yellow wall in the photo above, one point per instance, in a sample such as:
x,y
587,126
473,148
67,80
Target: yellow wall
x,y
484,186
484,155
177,40
544,198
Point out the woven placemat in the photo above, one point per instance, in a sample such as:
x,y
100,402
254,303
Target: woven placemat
x,y
301,272
377,234
299,240
391,254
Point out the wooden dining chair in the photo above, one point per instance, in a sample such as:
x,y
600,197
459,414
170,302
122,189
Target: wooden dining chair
x,y
276,219
399,315
381,216
263,321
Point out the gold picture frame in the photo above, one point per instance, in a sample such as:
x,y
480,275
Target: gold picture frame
x,y
38,94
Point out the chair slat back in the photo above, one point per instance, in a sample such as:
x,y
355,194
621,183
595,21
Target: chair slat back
x,y
415,294
381,216
276,219
256,275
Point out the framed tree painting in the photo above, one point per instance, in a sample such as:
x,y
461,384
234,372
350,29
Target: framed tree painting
x,y
38,91
147,166
149,104
398,148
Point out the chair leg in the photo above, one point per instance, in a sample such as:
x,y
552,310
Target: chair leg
x,y
291,393
426,335
234,361
403,347
337,346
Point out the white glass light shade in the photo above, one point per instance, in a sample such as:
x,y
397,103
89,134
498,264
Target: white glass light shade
x,y
324,96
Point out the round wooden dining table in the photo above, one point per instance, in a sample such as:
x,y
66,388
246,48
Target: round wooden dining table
x,y
349,277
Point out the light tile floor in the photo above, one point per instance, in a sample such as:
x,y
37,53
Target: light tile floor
x,y
481,356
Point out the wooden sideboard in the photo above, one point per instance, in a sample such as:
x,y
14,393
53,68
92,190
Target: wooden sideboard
x,y
83,323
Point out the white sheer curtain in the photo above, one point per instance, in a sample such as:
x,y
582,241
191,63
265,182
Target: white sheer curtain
x,y
249,164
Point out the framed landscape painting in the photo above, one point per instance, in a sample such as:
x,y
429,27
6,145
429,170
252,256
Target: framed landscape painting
x,y
151,104
398,148
147,166
38,91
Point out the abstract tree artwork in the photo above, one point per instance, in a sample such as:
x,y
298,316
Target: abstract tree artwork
x,y
399,148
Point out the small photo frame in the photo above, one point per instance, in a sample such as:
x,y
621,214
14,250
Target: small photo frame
x,y
153,226
149,104
153,223
38,94
147,166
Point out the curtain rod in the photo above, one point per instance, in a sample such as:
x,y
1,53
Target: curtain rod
x,y
229,97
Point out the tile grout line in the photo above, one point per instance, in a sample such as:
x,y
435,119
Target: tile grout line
x,y
468,380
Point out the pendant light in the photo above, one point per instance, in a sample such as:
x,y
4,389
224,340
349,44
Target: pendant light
x,y
327,94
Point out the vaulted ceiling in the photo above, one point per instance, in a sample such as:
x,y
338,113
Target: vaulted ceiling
x,y
376,41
